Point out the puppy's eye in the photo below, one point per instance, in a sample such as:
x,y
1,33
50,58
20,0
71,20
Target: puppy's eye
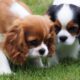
x,y
57,28
73,29
34,43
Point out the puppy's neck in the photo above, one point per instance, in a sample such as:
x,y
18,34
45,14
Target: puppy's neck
x,y
68,50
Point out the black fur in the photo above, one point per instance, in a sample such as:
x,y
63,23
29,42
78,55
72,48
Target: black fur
x,y
53,10
76,13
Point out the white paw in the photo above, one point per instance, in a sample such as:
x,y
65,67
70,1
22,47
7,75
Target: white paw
x,y
52,61
4,64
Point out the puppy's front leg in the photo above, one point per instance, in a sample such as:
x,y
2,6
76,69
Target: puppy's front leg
x,y
52,61
4,65
38,62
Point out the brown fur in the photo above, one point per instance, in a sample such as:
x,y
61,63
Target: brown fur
x,y
16,44
7,17
6,20
33,27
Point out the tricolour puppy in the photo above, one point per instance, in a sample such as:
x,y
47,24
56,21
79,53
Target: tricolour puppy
x,y
10,10
66,17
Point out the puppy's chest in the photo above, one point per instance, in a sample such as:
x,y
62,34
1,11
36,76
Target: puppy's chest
x,y
64,51
19,10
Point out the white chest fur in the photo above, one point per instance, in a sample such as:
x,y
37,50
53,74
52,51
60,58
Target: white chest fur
x,y
68,50
19,10
58,2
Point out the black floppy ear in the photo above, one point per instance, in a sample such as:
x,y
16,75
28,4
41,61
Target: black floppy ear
x,y
79,38
79,25
78,21
53,9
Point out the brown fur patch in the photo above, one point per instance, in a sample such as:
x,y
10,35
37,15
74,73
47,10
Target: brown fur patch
x,y
32,27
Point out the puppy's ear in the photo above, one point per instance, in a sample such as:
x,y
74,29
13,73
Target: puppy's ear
x,y
53,10
15,46
78,20
76,10
52,41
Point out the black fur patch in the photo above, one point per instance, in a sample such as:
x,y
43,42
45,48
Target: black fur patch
x,y
53,9
76,13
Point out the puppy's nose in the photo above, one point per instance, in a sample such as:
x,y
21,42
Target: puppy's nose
x,y
42,51
63,38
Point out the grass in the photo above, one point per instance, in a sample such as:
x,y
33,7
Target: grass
x,y
64,71
38,6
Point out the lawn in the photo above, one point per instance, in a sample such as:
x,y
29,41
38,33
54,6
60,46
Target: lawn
x,y
67,70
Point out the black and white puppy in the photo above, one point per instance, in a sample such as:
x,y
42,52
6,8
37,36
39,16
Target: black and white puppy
x,y
66,17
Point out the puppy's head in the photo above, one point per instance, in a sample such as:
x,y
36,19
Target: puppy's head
x,y
33,37
67,22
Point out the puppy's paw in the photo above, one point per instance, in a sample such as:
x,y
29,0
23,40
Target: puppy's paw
x,y
52,61
38,63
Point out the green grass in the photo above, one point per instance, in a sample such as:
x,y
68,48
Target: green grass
x,y
67,70
64,71
38,6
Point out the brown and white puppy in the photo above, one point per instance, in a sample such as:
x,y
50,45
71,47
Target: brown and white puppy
x,y
66,17
30,37
33,37
10,10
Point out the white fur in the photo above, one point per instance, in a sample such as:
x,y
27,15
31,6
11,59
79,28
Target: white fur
x,y
53,60
68,50
64,18
4,65
75,2
70,39
34,52
38,62
64,51
2,38
19,10
65,15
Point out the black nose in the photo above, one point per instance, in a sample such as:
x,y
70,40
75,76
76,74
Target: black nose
x,y
63,38
42,51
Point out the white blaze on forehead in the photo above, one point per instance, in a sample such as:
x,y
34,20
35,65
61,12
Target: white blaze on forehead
x,y
65,15
34,52
19,10
74,2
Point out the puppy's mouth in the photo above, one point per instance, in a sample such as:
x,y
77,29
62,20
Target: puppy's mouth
x,y
66,42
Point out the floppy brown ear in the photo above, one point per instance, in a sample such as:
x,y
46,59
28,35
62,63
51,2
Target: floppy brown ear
x,y
52,42
15,46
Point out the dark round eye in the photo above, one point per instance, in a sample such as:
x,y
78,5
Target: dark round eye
x,y
57,28
34,43
73,29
